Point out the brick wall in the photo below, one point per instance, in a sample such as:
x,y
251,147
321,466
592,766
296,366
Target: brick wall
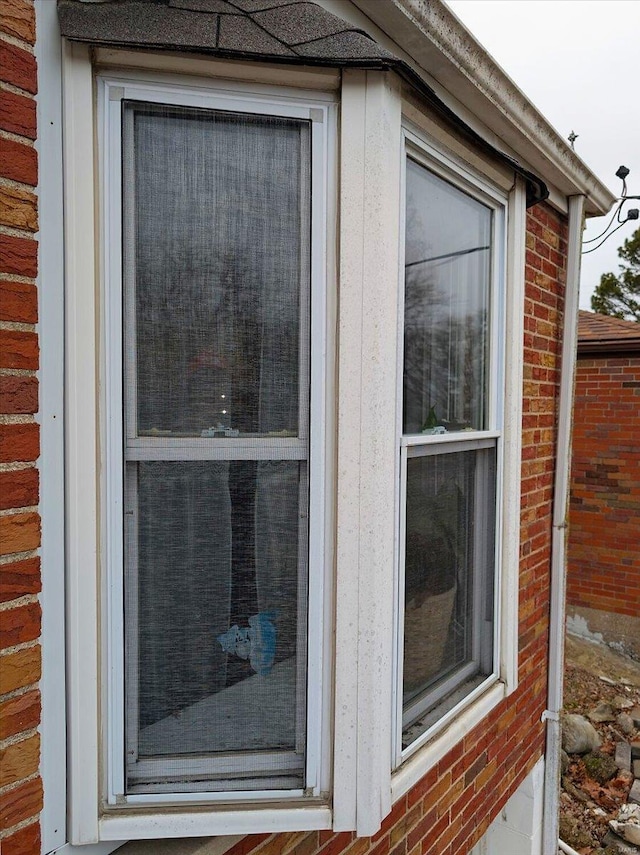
x,y
20,784
604,560
453,805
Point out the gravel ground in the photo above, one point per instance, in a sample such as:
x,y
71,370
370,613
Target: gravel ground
x,y
594,673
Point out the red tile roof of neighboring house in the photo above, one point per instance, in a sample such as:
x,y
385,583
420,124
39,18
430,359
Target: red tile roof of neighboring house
x,y
602,333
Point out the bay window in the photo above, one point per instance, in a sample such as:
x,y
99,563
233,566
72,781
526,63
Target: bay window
x,y
450,446
234,665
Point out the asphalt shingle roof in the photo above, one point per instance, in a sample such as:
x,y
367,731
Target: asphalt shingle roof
x,y
295,31
604,333
266,29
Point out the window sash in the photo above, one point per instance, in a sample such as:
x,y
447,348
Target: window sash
x,y
483,516
407,714
307,446
261,446
412,445
191,765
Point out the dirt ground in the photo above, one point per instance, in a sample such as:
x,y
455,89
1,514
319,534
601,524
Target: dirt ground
x,y
599,660
595,673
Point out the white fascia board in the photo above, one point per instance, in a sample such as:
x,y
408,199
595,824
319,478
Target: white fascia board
x,y
446,55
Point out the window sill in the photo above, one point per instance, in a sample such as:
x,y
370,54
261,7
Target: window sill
x,y
425,758
202,823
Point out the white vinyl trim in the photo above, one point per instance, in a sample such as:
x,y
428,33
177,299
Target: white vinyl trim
x,y
81,447
53,764
433,747
367,452
510,476
202,823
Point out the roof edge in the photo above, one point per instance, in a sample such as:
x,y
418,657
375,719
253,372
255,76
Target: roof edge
x,y
471,66
170,27
613,347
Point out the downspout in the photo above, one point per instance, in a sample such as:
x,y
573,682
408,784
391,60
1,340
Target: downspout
x,y
550,819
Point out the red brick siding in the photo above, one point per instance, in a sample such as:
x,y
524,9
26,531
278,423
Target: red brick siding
x,y
604,562
20,784
453,805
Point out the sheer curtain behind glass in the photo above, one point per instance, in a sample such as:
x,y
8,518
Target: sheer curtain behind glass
x,y
216,269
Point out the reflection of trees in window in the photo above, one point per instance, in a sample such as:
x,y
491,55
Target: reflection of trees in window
x,y
444,352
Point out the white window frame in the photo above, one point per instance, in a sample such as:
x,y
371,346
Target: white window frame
x,y
504,415
98,810
112,91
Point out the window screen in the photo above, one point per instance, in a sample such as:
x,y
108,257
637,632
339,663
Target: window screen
x,y
216,352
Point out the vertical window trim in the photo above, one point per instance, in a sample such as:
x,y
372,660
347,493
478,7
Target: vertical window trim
x,y
111,91
418,147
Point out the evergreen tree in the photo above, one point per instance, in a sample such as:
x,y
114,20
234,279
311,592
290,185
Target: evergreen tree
x,y
619,296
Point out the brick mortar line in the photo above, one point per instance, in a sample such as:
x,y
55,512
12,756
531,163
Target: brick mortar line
x,y
9,135
19,465
16,41
10,231
23,690
18,326
18,737
10,87
24,823
17,419
12,184
14,277
544,258
23,600
24,645
9,787
14,557
17,372
26,509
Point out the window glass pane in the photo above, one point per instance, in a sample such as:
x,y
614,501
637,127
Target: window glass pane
x,y
449,567
218,251
214,653
447,279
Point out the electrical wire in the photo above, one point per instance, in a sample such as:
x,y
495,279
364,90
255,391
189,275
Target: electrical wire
x,y
613,231
448,255
616,211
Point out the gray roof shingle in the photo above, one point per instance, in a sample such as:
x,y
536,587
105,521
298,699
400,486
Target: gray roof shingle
x,y
268,29
605,334
310,22
293,31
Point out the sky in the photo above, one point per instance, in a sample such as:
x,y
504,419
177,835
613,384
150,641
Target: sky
x,y
577,60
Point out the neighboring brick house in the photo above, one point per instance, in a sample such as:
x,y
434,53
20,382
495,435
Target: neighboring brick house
x,y
603,581
300,580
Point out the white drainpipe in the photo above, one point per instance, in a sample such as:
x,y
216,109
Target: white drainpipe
x,y
550,827
564,847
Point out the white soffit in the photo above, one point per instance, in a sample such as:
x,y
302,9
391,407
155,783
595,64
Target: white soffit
x,y
443,51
